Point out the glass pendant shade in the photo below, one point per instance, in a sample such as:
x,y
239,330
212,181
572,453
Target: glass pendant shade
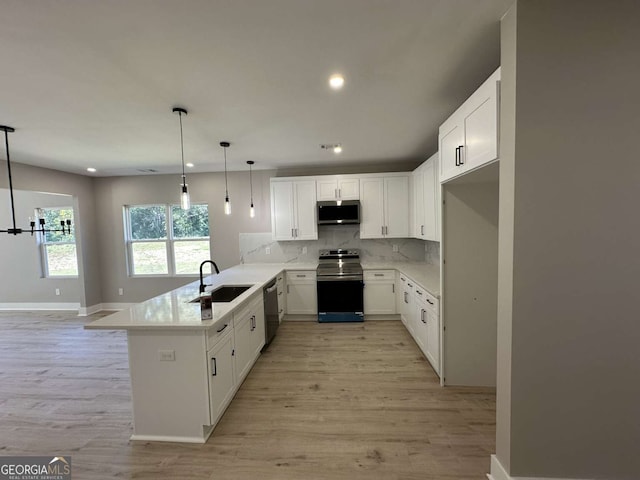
x,y
252,211
227,206
185,199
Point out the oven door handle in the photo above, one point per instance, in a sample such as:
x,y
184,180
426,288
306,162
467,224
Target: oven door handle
x,y
343,278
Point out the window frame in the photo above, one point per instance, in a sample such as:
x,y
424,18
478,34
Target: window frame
x,y
169,241
43,244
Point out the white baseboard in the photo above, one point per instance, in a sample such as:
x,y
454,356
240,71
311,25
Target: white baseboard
x,y
499,473
99,307
17,306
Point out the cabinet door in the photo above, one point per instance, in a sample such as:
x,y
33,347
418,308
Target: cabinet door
x,y
244,353
302,296
379,298
433,339
282,210
327,189
221,376
372,207
348,189
430,230
480,120
420,326
418,203
450,138
282,299
396,207
306,227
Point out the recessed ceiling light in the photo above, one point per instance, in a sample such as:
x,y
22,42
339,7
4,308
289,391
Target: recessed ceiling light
x,y
91,169
336,81
190,165
337,149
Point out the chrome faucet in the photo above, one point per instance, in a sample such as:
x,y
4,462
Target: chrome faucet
x,y
202,285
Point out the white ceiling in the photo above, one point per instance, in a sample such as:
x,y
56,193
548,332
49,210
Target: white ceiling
x,y
92,83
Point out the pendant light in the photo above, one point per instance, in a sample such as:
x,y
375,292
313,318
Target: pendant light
x,y
252,211
227,203
65,226
185,200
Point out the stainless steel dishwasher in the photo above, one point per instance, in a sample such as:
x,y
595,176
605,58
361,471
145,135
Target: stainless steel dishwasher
x,y
272,322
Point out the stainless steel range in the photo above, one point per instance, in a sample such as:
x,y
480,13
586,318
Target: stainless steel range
x,y
340,286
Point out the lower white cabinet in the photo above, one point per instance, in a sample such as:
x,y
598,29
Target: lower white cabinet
x,y
302,295
222,379
282,298
249,336
419,312
379,292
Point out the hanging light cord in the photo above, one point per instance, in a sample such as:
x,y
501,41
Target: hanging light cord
x,y
226,187
251,184
184,178
13,210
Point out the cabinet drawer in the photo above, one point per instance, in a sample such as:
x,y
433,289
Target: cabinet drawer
x,y
215,333
426,298
301,276
373,275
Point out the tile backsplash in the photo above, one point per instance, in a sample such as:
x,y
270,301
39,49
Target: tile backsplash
x,y
253,247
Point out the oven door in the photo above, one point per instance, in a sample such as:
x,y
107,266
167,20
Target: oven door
x,y
340,298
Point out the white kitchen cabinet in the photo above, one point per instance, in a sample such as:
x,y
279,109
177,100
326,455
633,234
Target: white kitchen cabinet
x,y
385,207
282,298
302,295
338,188
293,210
221,373
427,326
249,336
469,137
379,292
407,302
425,200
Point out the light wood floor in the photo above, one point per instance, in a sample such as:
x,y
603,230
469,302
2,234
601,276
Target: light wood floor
x,y
325,401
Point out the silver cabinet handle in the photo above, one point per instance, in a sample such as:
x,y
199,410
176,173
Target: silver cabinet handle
x,y
339,193
214,367
405,297
408,284
378,274
421,229
461,161
279,293
287,288
292,233
393,288
419,292
335,192
381,230
225,326
429,302
422,312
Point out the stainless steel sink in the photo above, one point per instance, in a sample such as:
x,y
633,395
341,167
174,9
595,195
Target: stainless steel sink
x,y
225,293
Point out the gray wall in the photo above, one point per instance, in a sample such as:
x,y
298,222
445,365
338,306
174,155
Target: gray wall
x,y
112,193
20,260
36,179
575,329
470,280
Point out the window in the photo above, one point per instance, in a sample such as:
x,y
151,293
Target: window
x,y
58,250
166,240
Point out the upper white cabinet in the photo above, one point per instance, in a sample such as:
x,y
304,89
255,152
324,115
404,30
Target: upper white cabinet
x,y
293,210
338,188
385,207
426,211
469,137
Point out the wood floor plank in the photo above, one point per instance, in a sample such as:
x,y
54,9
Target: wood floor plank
x,y
324,401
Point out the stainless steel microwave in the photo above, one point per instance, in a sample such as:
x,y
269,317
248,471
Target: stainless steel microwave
x,y
339,212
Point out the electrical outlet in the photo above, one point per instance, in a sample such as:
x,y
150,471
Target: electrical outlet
x,y
304,250
121,291
267,251
167,355
395,248
57,291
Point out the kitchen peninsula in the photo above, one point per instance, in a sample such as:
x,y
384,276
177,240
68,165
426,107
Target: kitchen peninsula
x,y
185,371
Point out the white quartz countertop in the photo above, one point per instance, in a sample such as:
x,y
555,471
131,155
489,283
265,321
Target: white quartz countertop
x,y
172,310
424,274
